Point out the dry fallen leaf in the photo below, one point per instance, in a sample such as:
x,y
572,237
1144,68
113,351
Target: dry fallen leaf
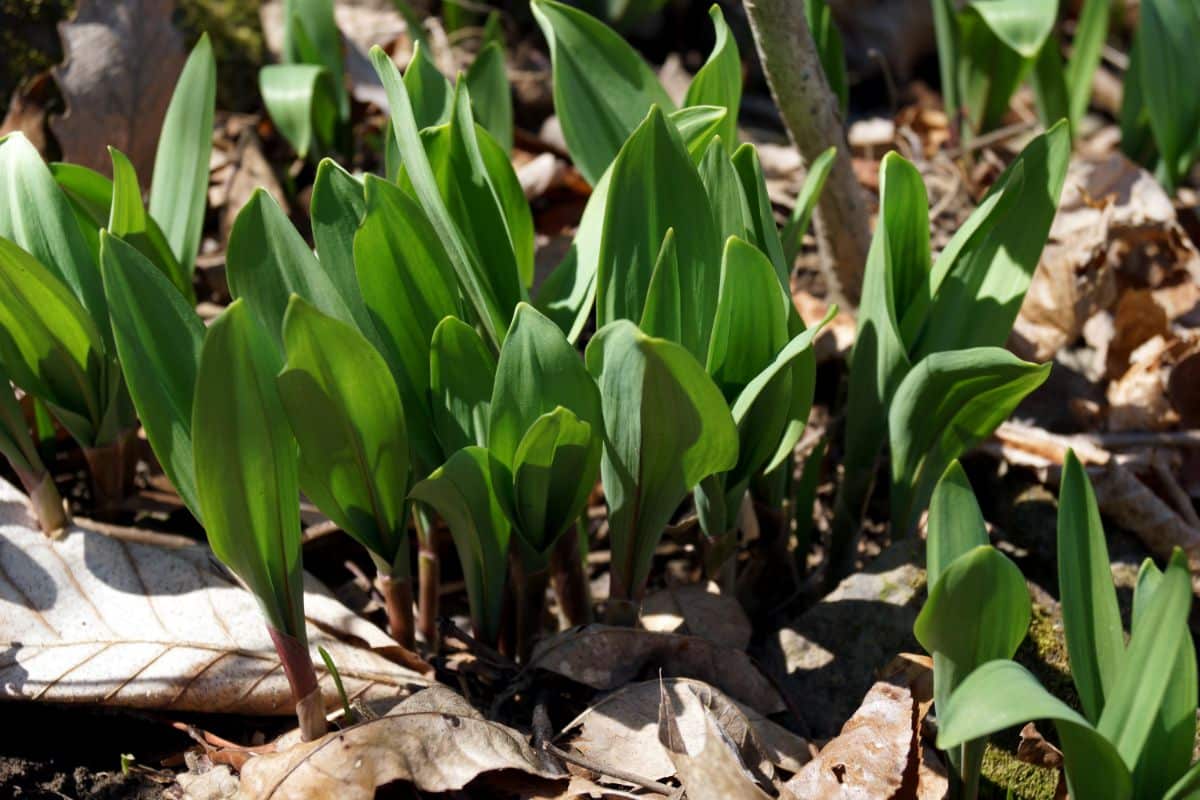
x,y
94,618
622,729
434,740
122,58
698,611
606,658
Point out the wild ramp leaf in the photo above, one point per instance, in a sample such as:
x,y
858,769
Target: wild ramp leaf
x,y
311,36
955,525
302,102
814,181
491,94
462,372
337,208
719,81
128,219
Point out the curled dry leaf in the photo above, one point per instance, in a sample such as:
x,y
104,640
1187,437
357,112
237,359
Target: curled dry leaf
x,y
699,611
94,618
122,58
878,754
606,658
435,740
1140,399
622,729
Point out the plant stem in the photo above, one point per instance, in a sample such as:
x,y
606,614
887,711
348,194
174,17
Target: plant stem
x,y
570,580
398,600
428,581
46,502
302,678
529,589
719,565
810,111
112,466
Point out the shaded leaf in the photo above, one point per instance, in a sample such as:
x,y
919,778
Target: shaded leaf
x,y
491,95
302,102
337,209
462,372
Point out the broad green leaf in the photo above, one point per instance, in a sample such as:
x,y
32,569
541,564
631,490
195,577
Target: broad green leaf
x,y
1003,694
947,404
311,36
697,126
128,219
491,94
1187,787
667,427
602,87
50,345
1021,24
267,262
158,339
1165,39
462,493
553,473
462,372
1168,749
493,29
1091,620
979,281
179,185
409,287
472,273
763,233
1086,48
989,70
810,192
302,103
658,189
345,411
338,206
1050,85
719,81
538,371
431,94
36,216
723,186
664,315
955,524
1137,139
245,461
828,40
1131,706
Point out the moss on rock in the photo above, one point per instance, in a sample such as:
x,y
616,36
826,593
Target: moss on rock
x,y
1005,773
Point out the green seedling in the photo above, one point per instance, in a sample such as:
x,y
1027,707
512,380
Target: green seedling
x,y
830,50
1134,739
347,712
17,445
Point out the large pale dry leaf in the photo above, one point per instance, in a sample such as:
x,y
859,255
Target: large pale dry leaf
x,y
435,740
879,749
99,619
700,611
606,658
622,729
122,58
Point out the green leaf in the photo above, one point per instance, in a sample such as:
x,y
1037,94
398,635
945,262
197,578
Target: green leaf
x,y
491,95
36,216
50,345
602,87
664,314
1168,749
1091,620
806,201
947,404
828,40
473,274
1187,787
1003,694
1022,25
302,102
462,493
158,339
128,220
431,94
697,126
1050,85
16,440
1086,49
311,36
345,411
1132,705
337,208
658,189
409,287
667,427
245,460
462,372
955,524
761,226
1165,39
179,186
538,371
723,186
267,262
719,81
989,70
1137,139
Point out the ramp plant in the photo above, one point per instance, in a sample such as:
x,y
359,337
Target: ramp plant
x,y
1134,737
18,446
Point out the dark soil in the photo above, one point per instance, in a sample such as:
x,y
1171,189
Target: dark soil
x,y
20,778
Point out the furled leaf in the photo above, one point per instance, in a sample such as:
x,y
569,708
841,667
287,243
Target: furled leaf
x,y
179,186
730,208
763,232
311,36
158,338
1086,49
1091,620
1165,40
664,315
246,473
828,40
658,189
409,287
491,94
698,126
602,87
462,372
1001,694
948,403
461,491
667,427
431,94
1023,26
302,103
955,524
128,220
719,81
268,262
538,371
345,411
338,206
814,181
